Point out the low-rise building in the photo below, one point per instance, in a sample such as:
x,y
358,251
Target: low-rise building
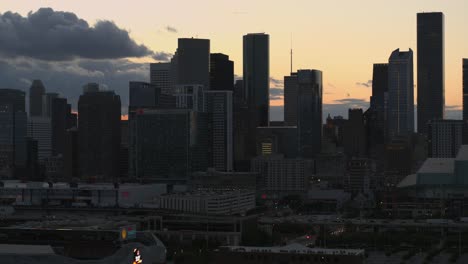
x,y
222,202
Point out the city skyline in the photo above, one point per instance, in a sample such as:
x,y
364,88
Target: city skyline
x,y
343,87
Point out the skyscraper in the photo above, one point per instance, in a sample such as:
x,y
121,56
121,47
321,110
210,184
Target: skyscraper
x,y
290,99
13,120
400,109
355,144
191,62
189,96
39,129
47,103
257,77
375,116
36,93
218,105
171,144
465,90
444,138
379,86
221,72
60,121
309,112
161,76
99,135
431,98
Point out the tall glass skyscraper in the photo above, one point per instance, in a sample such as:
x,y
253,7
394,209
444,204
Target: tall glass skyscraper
x,y
36,94
431,99
465,90
309,112
400,108
256,85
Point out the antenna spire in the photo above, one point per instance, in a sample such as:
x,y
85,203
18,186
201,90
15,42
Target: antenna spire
x,y
291,56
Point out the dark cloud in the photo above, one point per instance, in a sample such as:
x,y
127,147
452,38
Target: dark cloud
x,y
68,77
162,56
171,29
353,101
276,93
365,84
57,36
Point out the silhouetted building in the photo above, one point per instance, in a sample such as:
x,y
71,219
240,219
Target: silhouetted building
x,y
309,112
36,94
256,63
400,108
398,160
354,135
161,77
47,103
241,128
171,144
13,119
431,98
378,100
277,140
70,158
40,129
191,62
99,135
61,120
358,175
290,99
124,149
444,138
218,105
32,170
221,72
465,101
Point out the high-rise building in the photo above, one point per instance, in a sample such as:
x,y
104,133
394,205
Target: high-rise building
x,y
141,95
36,94
189,96
400,107
13,119
431,98
290,99
99,135
277,140
47,100
355,136
309,112
221,72
257,77
191,62
161,76
40,129
218,105
70,157
465,89
170,144
444,138
241,129
60,122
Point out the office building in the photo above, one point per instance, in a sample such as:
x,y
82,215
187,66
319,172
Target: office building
x,y
161,76
191,62
47,103
400,108
189,96
61,119
280,176
431,97
70,157
13,123
354,135
444,138
40,129
36,97
99,135
358,174
290,99
218,105
221,72
277,140
309,112
465,100
378,101
170,144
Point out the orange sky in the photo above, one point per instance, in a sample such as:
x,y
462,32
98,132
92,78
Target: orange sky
x,y
341,38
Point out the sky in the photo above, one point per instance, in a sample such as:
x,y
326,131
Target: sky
x,y
341,38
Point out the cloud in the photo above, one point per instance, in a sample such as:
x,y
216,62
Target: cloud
x,y
162,56
276,93
58,36
453,107
276,82
365,84
352,101
68,77
171,29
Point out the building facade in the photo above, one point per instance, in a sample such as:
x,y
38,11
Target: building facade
x,y
221,72
431,91
400,108
444,138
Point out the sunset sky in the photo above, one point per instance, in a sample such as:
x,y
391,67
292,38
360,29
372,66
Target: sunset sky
x,y
341,38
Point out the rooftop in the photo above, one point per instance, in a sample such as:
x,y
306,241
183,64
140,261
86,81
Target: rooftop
x,y
437,165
